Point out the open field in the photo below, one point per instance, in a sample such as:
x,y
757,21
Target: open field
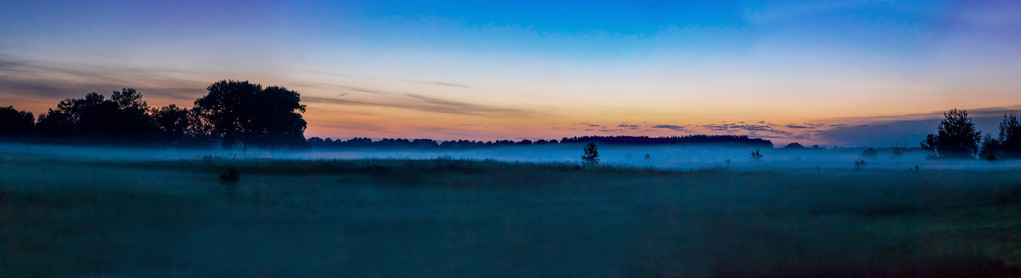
x,y
390,218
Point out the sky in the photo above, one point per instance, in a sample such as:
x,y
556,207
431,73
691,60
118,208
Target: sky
x,y
849,73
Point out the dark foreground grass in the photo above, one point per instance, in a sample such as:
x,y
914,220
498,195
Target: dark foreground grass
x,y
400,218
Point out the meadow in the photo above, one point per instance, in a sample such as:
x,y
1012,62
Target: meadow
x,y
460,217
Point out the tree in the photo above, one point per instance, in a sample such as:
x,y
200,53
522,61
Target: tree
x,y
14,123
590,155
173,122
991,148
1010,136
123,117
956,136
56,124
132,118
239,111
277,120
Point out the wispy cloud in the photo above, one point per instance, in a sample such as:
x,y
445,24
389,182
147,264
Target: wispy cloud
x,y
433,82
761,129
671,127
427,104
56,80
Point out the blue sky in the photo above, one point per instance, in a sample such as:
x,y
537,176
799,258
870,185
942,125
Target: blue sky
x,y
532,69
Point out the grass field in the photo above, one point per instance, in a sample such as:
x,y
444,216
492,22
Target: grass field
x,y
441,218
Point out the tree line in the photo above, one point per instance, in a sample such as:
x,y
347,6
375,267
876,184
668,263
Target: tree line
x,y
956,137
690,139
230,114
356,142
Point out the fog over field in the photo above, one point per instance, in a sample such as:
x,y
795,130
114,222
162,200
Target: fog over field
x,y
660,157
85,212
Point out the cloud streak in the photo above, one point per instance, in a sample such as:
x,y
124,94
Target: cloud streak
x,y
427,104
671,127
53,80
433,83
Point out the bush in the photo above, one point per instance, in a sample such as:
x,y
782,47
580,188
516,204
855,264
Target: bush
x,y
991,148
859,164
231,175
870,151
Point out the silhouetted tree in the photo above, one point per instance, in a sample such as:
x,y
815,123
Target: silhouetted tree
x,y
173,122
57,123
991,148
123,117
1010,136
590,155
794,146
239,111
14,123
132,119
956,136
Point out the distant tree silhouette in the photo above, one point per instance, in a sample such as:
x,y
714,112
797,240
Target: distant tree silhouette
x,y
132,119
794,146
240,111
870,151
991,148
59,123
14,123
1010,136
466,144
898,150
691,139
956,136
124,117
590,155
173,122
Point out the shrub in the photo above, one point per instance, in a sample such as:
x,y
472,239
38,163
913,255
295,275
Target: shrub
x,y
859,164
870,151
756,155
991,148
231,175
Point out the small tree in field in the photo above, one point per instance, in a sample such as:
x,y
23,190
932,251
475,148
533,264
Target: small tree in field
x,y
956,136
591,155
756,155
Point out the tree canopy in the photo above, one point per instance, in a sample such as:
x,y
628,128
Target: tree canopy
x,y
14,123
1010,136
244,112
955,137
231,112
